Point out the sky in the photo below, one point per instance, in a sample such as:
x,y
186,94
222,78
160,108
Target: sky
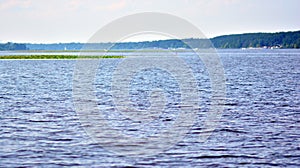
x,y
53,21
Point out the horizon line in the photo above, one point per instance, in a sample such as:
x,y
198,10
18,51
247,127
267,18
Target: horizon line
x,y
272,32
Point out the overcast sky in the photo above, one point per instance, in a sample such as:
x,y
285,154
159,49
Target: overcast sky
x,y
49,21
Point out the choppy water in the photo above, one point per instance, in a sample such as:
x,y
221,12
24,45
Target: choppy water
x,y
259,127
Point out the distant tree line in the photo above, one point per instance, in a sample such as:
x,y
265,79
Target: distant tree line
x,y
281,39
55,46
12,46
256,40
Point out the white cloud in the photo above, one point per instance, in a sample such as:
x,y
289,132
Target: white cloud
x,y
8,4
77,20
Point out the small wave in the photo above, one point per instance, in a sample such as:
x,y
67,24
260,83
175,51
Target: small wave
x,y
224,156
231,130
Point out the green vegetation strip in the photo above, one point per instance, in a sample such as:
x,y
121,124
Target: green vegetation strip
x,y
57,57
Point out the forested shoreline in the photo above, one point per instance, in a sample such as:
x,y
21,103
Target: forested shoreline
x,y
247,40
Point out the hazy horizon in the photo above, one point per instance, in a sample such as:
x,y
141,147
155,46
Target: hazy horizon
x,y
32,21
138,40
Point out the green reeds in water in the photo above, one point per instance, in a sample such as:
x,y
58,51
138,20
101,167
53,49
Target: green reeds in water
x,y
57,57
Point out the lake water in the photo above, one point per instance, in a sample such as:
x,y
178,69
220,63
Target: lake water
x,y
259,126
